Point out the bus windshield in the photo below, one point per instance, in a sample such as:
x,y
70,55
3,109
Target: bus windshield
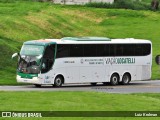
x,y
30,59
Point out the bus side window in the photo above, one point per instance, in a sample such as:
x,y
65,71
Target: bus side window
x,y
129,50
146,49
90,50
63,51
112,49
138,50
76,50
102,50
119,50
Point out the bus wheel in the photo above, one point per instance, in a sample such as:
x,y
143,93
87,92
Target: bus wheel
x,y
114,79
126,79
37,85
93,84
58,81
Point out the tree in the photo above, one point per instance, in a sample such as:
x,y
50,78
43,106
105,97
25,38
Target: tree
x,y
154,4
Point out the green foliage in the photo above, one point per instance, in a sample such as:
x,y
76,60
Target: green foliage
x,y
130,4
12,9
13,1
100,5
125,4
125,13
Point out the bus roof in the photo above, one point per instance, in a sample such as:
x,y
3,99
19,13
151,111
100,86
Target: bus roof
x,y
85,40
43,42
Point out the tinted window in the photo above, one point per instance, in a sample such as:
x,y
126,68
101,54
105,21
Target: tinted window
x,y
97,50
63,51
48,58
107,50
146,49
138,50
49,52
128,49
76,50
102,50
90,50
112,49
119,49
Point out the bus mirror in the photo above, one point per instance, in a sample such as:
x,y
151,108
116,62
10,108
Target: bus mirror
x,y
14,55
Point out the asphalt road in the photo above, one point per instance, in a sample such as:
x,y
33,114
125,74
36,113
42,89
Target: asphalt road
x,y
152,86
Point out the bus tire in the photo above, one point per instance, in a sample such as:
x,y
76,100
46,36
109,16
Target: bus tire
x,y
126,79
37,85
114,80
58,81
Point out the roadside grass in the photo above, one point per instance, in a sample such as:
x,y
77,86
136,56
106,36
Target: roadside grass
x,y
78,101
25,20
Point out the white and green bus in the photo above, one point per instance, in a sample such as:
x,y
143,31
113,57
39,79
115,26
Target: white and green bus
x,y
84,60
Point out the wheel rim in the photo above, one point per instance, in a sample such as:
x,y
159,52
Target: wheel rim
x,y
125,79
58,82
115,80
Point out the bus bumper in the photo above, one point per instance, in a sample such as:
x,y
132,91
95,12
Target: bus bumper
x,y
34,80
